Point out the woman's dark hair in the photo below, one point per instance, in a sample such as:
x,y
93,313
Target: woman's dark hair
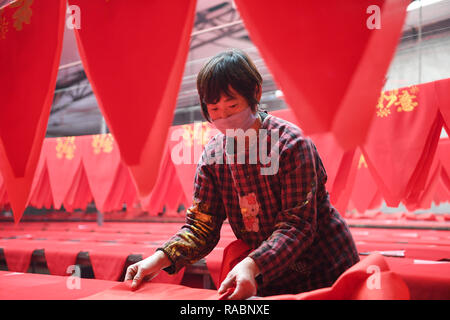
x,y
232,67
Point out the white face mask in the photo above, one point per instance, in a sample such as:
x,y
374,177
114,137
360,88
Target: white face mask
x,y
241,120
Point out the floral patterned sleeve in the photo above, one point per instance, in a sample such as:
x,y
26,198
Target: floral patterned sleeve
x,y
204,219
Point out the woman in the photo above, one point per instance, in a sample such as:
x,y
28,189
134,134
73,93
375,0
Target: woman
x,y
298,240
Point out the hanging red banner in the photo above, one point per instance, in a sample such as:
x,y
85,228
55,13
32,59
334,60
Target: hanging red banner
x,y
402,141
330,61
30,47
135,82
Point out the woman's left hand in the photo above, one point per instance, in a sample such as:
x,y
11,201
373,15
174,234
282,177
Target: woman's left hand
x,y
242,277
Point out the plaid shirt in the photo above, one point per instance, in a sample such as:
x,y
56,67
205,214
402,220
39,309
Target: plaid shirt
x,y
300,241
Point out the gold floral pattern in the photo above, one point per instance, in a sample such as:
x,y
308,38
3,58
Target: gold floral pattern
x,y
65,148
22,15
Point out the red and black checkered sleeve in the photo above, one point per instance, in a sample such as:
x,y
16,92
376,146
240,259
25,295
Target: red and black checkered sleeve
x,y
296,223
204,219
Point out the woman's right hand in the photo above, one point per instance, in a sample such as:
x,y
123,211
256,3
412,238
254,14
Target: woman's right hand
x,y
147,268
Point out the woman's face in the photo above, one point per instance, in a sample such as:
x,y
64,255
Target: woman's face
x,y
227,106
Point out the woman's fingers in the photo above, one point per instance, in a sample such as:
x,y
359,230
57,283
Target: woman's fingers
x,y
244,289
145,269
137,279
227,283
131,271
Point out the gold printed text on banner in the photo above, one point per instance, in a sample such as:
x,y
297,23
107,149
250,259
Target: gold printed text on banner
x,y
406,101
384,110
65,148
102,143
403,99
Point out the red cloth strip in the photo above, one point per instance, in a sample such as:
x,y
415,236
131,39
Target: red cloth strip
x,y
31,286
154,291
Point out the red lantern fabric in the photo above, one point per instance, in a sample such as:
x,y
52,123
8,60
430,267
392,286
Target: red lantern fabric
x,y
330,85
135,82
30,47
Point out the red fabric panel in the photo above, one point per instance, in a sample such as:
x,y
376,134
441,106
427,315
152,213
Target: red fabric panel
x,y
130,193
332,85
425,281
63,156
402,141
439,238
79,194
107,265
40,189
332,156
27,81
3,195
186,143
176,196
232,255
418,180
154,291
214,265
442,191
214,260
426,197
443,100
122,190
443,154
59,257
345,181
129,95
155,202
17,255
365,188
31,286
101,159
356,284
413,251
108,261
